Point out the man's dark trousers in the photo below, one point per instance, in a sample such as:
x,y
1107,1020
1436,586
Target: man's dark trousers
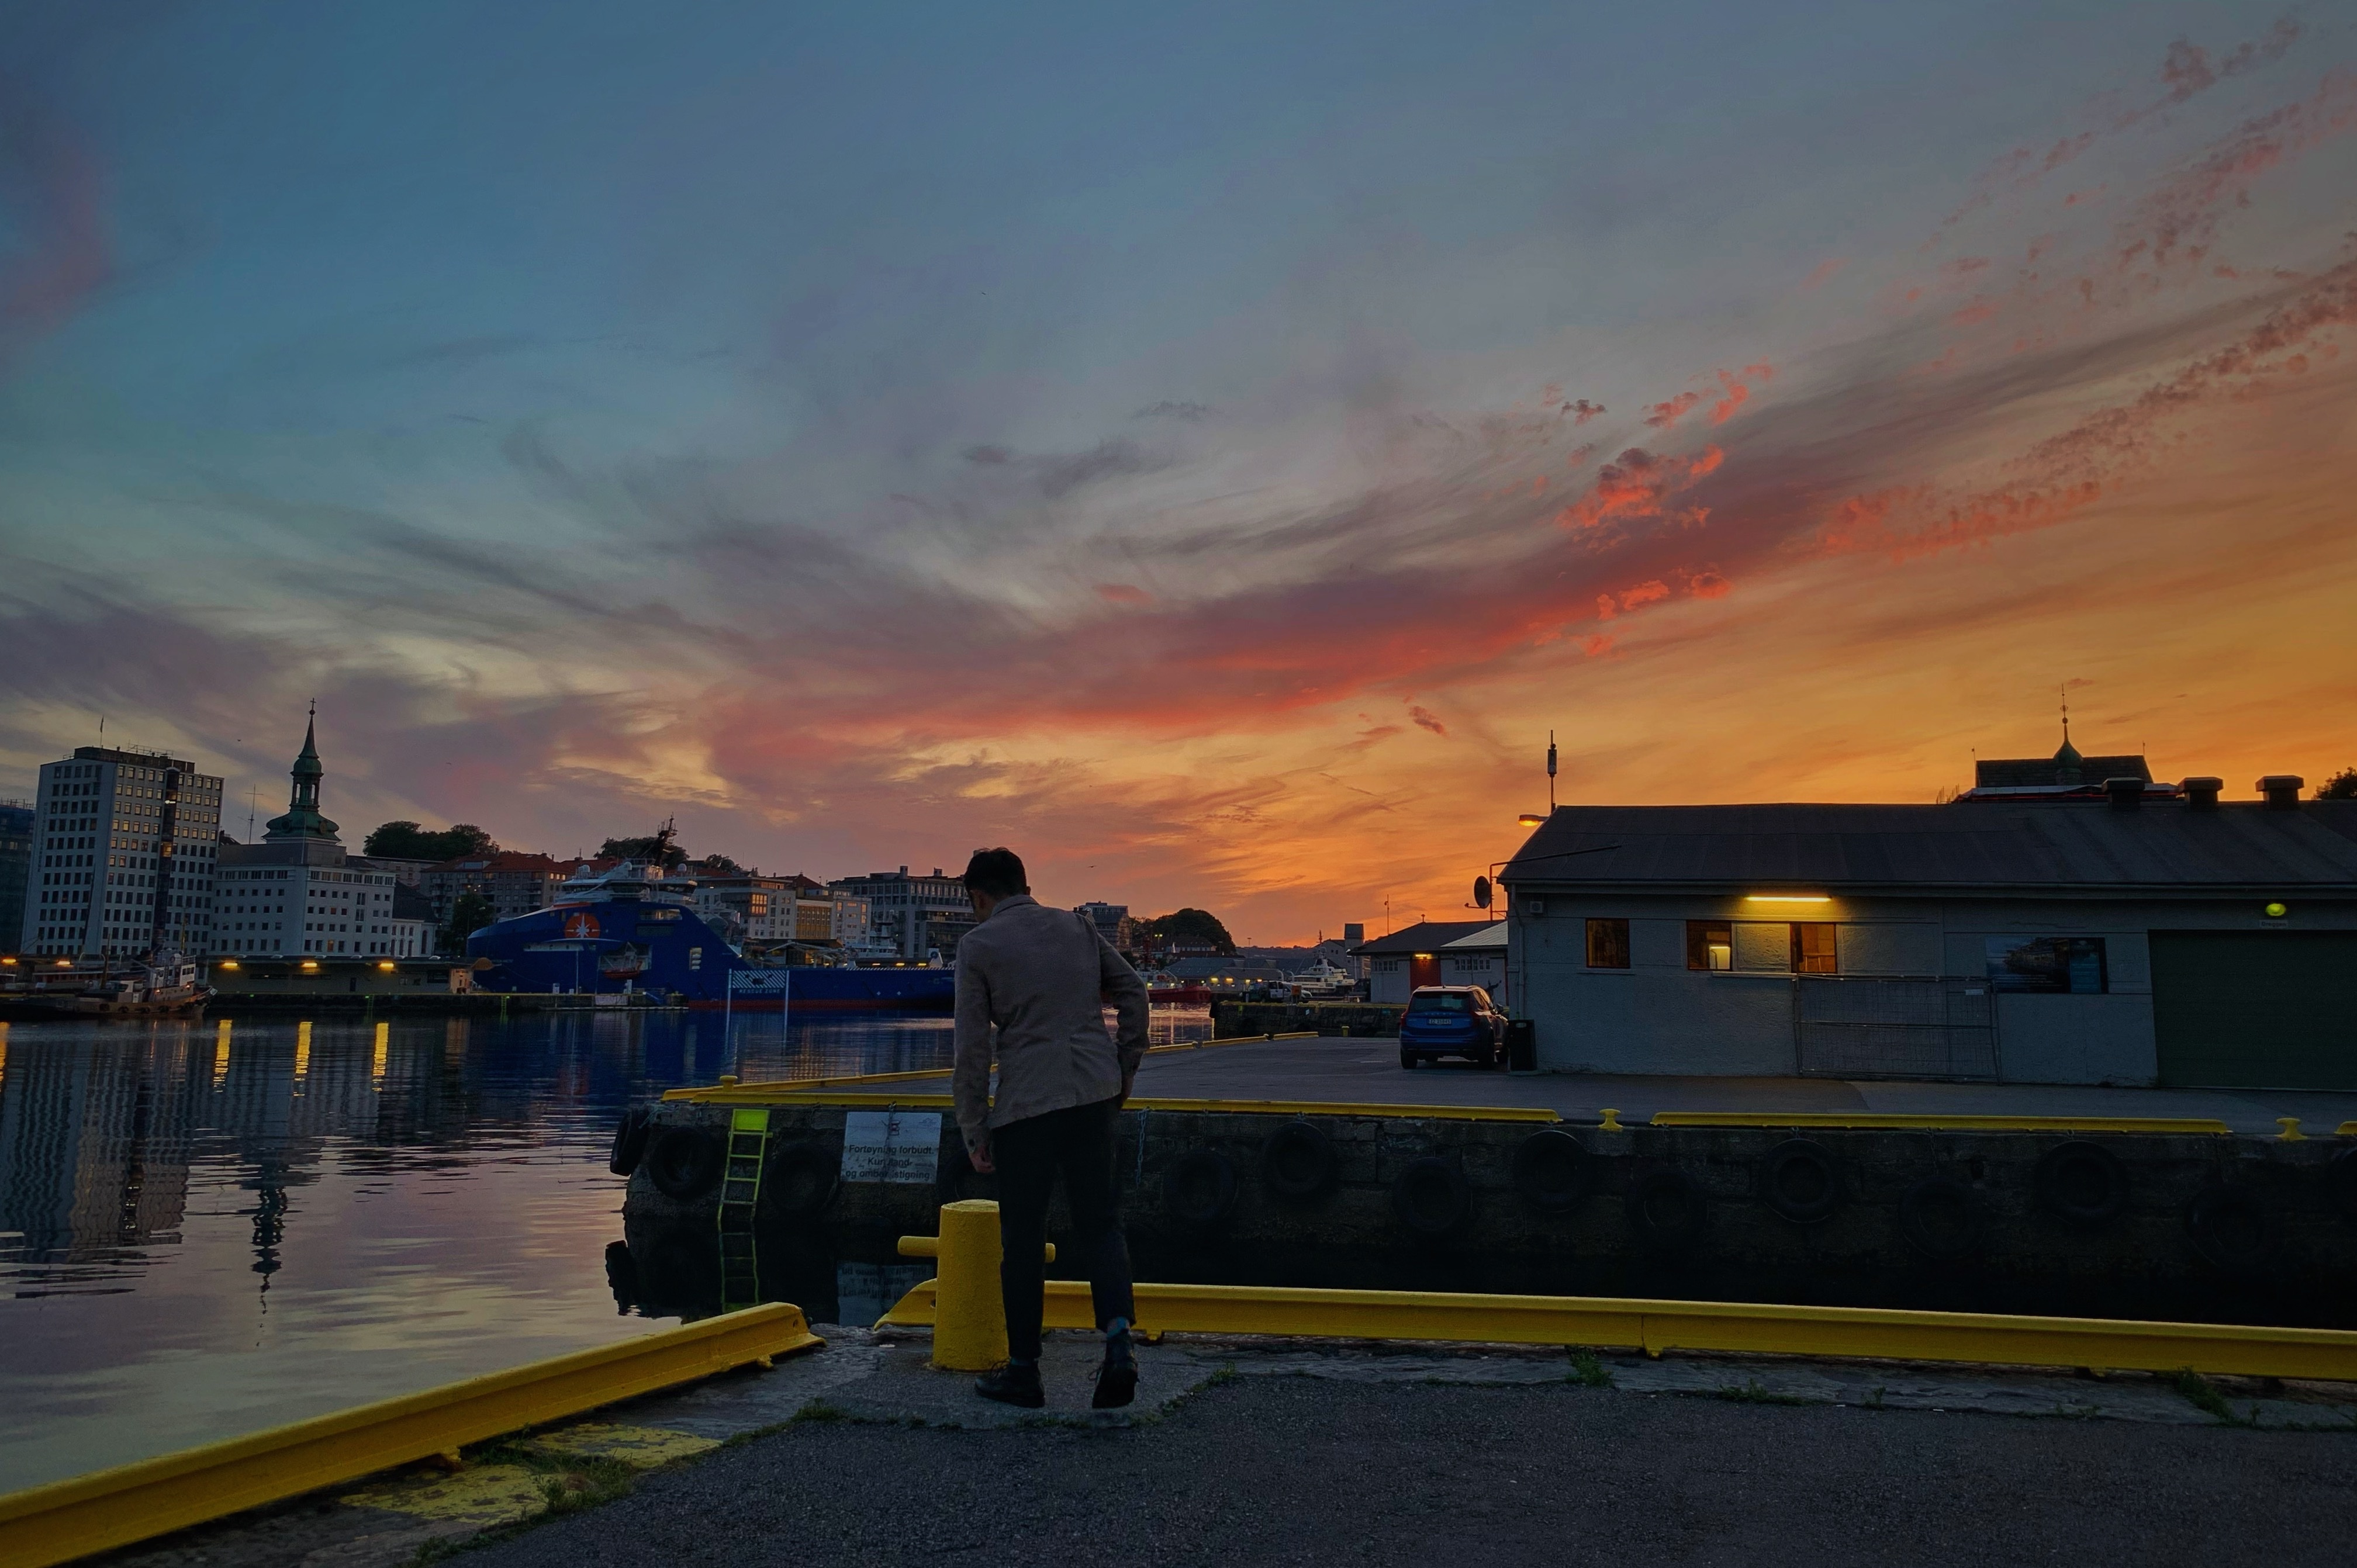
x,y
1077,1141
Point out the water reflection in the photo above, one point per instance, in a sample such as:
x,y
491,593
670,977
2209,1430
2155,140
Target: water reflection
x,y
210,1228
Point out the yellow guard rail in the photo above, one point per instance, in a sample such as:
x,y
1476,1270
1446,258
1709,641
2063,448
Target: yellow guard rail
x,y
1654,1327
132,1502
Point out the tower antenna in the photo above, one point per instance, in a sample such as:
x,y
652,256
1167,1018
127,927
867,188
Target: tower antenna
x,y
1550,772
2066,713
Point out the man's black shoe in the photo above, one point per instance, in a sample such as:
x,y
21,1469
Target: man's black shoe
x,y
1012,1384
1117,1379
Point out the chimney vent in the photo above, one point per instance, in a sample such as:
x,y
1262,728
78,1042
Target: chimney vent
x,y
2201,793
2282,790
2125,794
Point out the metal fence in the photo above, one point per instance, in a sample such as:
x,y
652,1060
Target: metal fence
x,y
1895,1026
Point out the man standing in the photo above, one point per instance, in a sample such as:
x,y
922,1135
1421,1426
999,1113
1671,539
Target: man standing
x,y
1041,977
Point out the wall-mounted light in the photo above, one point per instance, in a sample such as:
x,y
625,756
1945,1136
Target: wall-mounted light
x,y
229,963
310,963
2277,912
1786,899
382,965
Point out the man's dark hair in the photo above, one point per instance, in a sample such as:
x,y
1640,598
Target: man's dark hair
x,y
996,873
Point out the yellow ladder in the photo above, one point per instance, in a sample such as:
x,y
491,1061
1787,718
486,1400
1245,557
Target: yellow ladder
x,y
741,1195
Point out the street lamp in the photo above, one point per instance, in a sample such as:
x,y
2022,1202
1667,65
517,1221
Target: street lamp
x,y
1531,820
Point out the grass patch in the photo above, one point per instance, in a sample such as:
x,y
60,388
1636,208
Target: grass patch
x,y
819,1409
1753,1392
2202,1395
1588,1371
1225,1373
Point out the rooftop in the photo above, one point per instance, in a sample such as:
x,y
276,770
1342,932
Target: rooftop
x,y
2155,846
1425,936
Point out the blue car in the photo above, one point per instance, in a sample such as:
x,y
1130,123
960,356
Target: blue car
x,y
1452,1020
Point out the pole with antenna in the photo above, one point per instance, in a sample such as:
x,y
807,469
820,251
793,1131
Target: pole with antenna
x,y
1550,772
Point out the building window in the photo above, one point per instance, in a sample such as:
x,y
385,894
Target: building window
x,y
1710,944
2072,966
1814,950
1607,944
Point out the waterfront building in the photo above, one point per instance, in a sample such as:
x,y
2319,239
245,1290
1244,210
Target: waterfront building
x,y
909,917
2114,937
515,883
296,891
1411,957
17,820
1108,918
123,856
414,930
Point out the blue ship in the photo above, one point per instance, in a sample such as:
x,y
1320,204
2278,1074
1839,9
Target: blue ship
x,y
623,929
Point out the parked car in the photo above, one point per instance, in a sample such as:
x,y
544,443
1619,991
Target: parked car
x,y
1452,1020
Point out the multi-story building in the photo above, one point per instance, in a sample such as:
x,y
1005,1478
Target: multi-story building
x,y
298,892
514,882
847,918
748,908
909,916
1109,919
17,820
413,927
124,855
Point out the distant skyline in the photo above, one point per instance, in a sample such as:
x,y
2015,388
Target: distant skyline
x,y
1205,449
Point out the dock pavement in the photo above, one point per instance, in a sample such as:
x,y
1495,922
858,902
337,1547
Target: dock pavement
x,y
1367,1071
1306,1451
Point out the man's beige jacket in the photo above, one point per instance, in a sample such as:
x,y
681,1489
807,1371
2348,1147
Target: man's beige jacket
x,y
1042,977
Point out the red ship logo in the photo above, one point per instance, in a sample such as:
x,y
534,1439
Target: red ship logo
x,y
584,925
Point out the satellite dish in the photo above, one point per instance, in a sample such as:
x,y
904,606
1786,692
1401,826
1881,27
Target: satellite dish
x,y
1482,891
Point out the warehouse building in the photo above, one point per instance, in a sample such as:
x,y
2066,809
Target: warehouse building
x,y
2127,934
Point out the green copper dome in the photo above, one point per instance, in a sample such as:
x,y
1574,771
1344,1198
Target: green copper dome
x,y
303,819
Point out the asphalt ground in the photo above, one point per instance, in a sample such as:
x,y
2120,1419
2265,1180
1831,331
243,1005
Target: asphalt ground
x,y
1295,1470
1368,1071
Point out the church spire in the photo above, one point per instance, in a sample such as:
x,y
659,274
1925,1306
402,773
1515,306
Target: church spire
x,y
303,819
2067,760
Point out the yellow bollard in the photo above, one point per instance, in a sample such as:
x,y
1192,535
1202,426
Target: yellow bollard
x,y
969,1315
2291,1132
1611,1122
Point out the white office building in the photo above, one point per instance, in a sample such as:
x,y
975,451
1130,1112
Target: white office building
x,y
125,852
297,894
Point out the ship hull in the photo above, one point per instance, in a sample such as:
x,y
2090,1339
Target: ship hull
x,y
666,951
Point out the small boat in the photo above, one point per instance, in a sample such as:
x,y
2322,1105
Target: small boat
x,y
1325,978
168,989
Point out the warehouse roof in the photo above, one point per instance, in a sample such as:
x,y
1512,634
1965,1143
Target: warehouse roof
x,y
2031,845
1425,936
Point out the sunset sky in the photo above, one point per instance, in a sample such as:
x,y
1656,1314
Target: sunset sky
x,y
1205,448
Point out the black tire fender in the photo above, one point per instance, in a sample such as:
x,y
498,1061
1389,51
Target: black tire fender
x,y
629,1140
1800,1180
1942,1218
685,1162
1297,1162
800,1178
1431,1197
1551,1171
1667,1210
1199,1189
2341,1184
2233,1228
2081,1182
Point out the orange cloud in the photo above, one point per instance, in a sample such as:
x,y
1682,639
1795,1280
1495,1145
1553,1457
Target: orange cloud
x,y
1663,415
1124,594
1824,272
1427,719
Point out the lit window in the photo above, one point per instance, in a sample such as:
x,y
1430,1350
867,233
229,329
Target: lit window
x,y
1815,951
1607,944
1710,944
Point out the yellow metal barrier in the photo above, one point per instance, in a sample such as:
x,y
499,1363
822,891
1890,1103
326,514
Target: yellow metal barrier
x,y
1654,1327
132,1502
1875,1119
767,1094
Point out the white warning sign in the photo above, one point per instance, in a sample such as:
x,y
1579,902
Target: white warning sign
x,y
891,1145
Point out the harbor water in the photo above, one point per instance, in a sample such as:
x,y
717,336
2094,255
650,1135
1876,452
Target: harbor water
x,y
208,1228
